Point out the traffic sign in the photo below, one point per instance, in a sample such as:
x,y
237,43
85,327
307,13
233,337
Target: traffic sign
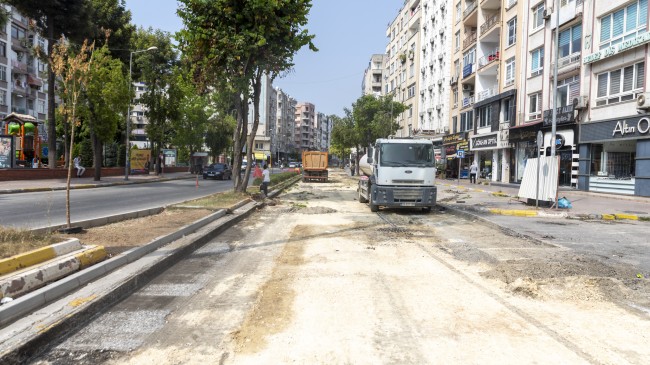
x,y
460,153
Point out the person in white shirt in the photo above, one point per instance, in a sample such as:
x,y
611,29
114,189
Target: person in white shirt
x,y
266,179
77,165
473,170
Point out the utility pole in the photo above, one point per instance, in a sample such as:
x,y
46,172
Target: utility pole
x,y
557,57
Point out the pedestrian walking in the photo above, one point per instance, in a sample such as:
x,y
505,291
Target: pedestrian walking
x,y
266,180
77,165
473,170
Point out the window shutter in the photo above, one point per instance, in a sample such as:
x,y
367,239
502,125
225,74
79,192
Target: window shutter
x,y
602,84
565,37
605,28
574,91
614,82
631,17
640,75
628,78
619,18
534,60
643,12
576,40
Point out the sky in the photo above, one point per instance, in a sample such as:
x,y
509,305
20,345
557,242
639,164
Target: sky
x,y
347,33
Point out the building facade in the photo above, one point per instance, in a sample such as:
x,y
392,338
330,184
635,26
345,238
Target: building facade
x,y
284,132
305,123
373,76
402,62
139,120
262,148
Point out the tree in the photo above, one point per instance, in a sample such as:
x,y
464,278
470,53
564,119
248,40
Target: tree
x,y
111,15
163,95
54,18
233,43
73,71
106,97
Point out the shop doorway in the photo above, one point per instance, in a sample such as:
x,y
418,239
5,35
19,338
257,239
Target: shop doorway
x,y
566,157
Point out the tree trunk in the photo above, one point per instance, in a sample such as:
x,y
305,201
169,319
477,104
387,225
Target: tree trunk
x,y
97,155
256,121
51,126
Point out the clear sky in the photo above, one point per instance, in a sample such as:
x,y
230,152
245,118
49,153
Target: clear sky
x,y
347,33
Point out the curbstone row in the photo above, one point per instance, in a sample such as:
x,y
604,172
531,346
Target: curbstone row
x,y
37,256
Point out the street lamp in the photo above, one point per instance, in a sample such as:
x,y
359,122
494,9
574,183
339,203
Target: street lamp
x,y
128,113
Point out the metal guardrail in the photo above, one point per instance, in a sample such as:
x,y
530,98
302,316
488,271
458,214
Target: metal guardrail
x,y
469,9
488,59
469,40
490,23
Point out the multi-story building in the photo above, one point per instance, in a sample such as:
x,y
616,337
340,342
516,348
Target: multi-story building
x,y
323,132
23,85
402,61
373,76
139,120
486,59
262,148
435,71
613,102
305,122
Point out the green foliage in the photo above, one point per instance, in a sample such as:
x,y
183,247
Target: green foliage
x,y
112,16
276,178
86,150
194,115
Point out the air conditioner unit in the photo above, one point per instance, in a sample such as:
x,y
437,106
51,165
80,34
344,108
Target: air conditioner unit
x,y
454,80
439,106
467,87
580,102
547,14
442,30
439,81
441,56
643,101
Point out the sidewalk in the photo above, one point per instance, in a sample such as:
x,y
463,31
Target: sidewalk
x,y
23,186
502,199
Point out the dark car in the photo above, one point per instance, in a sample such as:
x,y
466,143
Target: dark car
x,y
219,171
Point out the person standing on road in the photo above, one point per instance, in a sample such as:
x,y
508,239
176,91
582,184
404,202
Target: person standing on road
x,y
77,165
473,170
266,180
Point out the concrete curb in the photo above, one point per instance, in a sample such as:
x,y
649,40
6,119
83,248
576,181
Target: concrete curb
x,y
25,338
30,280
37,256
96,222
91,185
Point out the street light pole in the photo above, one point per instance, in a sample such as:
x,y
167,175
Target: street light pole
x,y
127,161
557,57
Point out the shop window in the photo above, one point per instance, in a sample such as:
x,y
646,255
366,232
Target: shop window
x,y
620,85
618,165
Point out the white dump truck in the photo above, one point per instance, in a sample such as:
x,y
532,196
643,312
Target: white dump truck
x,y
398,173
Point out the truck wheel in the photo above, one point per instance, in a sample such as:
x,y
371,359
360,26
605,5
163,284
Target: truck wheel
x,y
361,198
426,209
373,207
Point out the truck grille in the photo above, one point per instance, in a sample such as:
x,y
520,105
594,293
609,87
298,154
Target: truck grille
x,y
407,195
412,182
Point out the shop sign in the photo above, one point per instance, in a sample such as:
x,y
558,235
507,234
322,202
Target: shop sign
x,y
565,115
464,145
450,150
613,50
453,138
627,128
7,152
484,142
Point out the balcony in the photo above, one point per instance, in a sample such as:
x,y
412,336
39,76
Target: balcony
x,y
19,67
469,8
468,70
19,110
564,63
488,59
490,23
469,40
485,94
467,102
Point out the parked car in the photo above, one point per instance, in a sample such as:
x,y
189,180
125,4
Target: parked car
x,y
243,166
219,171
293,164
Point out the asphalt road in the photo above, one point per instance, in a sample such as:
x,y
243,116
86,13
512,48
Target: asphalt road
x,y
40,209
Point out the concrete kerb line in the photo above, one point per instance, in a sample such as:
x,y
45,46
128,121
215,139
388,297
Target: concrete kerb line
x,y
18,349
30,258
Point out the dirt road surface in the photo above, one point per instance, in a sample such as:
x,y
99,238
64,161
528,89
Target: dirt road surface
x,y
316,278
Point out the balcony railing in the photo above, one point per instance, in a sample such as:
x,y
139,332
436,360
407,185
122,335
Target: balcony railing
x,y
488,93
19,66
467,102
468,70
469,40
488,59
490,23
568,60
469,8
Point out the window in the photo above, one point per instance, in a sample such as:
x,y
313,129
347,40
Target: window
x,y
17,33
41,106
412,70
457,40
454,124
512,31
411,91
3,49
536,61
538,16
534,106
624,24
510,71
567,90
467,121
619,85
455,92
457,68
3,73
570,41
458,12
3,97
508,110
469,57
484,116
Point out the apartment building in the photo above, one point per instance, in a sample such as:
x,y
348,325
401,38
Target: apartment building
x,y
23,79
613,101
139,120
373,76
486,59
282,138
402,61
305,122
324,126
267,120
435,71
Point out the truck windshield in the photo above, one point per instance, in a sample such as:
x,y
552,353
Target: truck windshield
x,y
403,154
